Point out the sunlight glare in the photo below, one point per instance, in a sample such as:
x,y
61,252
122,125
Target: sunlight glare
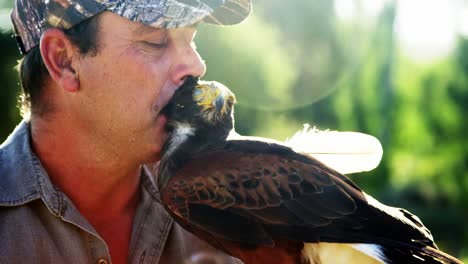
x,y
5,23
463,20
345,9
373,7
426,29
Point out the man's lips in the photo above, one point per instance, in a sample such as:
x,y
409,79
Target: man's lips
x,y
161,120
165,98
161,124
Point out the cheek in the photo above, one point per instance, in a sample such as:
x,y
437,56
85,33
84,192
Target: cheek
x,y
146,74
128,88
133,76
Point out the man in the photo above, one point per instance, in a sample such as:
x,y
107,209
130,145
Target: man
x,y
96,75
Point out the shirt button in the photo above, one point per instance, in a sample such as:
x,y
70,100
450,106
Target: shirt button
x,y
102,261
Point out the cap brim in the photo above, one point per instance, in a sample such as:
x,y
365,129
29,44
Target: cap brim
x,y
177,13
232,12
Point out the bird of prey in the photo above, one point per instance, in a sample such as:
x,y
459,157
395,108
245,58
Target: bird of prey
x,y
263,202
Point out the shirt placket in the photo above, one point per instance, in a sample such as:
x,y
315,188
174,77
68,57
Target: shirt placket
x,y
61,206
151,228
98,252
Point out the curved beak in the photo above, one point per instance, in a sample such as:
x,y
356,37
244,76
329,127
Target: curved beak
x,y
218,102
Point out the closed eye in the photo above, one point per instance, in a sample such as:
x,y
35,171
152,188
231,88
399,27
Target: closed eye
x,y
153,45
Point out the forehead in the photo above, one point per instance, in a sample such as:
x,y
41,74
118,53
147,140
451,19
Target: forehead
x,y
111,22
141,29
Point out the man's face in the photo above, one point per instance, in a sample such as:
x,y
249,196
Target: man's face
x,y
127,83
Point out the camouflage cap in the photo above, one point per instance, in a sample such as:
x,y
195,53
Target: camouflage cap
x,y
32,17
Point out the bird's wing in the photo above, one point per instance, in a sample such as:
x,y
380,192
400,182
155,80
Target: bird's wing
x,y
251,191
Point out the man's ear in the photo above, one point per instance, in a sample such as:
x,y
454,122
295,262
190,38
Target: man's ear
x,y
58,54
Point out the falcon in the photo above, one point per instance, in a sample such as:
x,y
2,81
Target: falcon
x,y
264,202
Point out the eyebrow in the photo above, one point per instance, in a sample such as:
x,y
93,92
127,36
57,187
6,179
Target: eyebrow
x,y
145,29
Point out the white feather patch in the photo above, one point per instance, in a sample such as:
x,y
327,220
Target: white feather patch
x,y
372,250
180,134
345,152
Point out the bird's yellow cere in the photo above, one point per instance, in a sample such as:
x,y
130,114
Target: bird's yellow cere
x,y
208,94
205,95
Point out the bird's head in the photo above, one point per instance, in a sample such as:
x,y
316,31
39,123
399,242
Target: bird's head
x,y
201,110
215,100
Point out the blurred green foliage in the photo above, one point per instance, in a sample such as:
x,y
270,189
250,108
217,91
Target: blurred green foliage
x,y
297,63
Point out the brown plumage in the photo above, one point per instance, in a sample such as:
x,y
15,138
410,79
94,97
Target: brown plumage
x,y
264,203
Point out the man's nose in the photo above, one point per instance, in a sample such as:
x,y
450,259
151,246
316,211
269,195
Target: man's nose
x,y
190,64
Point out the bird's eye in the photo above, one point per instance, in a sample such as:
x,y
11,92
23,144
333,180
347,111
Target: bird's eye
x,y
197,92
230,103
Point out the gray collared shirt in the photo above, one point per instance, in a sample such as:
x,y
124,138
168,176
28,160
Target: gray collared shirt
x,y
40,224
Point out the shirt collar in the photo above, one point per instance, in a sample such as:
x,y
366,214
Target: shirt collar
x,y
20,171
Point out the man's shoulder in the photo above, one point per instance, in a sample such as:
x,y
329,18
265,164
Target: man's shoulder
x,y
17,182
19,224
31,234
16,229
